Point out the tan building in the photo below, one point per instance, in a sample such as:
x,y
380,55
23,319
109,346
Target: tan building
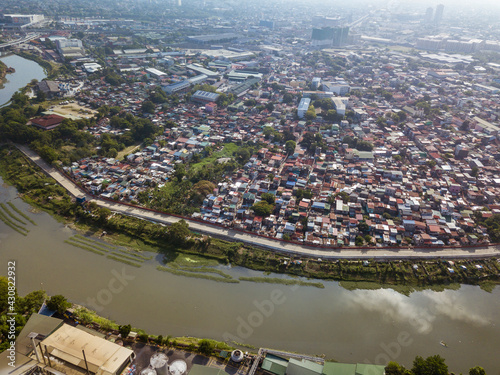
x,y
66,350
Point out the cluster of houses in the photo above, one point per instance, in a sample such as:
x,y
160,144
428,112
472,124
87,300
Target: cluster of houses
x,y
432,164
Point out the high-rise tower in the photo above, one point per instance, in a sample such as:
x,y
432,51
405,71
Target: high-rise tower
x,y
438,16
428,15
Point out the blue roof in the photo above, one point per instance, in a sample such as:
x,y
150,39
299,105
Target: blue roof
x,y
205,95
318,205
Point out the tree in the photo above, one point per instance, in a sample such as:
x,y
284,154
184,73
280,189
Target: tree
x,y
363,227
103,214
431,163
477,371
364,146
242,155
433,365
58,303
32,302
41,96
290,147
331,115
178,232
206,347
125,330
148,106
287,98
311,113
359,241
268,197
180,172
394,368
262,208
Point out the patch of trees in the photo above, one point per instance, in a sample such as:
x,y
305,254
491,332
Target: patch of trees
x,y
58,303
325,103
112,77
272,134
262,208
492,225
433,365
225,99
158,96
333,116
302,193
358,144
310,113
311,141
23,307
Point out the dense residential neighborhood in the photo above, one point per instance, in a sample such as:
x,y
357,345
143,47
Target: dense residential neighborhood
x,y
405,164
323,130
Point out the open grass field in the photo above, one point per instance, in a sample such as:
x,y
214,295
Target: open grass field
x,y
73,109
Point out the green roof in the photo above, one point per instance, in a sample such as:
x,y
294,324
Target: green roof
x,y
311,366
274,364
205,370
332,368
365,369
41,324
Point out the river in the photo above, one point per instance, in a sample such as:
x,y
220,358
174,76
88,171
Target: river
x,y
26,71
349,326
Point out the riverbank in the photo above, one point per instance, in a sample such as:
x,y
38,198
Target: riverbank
x,y
4,70
139,235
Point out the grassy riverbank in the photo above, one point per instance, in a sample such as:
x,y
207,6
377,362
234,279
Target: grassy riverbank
x,y
195,256
3,71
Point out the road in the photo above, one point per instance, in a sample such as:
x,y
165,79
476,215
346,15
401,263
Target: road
x,y
267,243
20,40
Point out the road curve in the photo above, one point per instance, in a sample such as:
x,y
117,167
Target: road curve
x,y
255,240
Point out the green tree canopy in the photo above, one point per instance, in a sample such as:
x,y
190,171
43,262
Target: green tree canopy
x,y
477,371
148,106
268,197
125,330
311,113
58,303
290,147
178,232
433,365
206,347
394,368
262,208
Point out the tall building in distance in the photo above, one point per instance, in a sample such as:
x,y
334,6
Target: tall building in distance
x,y
438,16
330,36
267,23
428,16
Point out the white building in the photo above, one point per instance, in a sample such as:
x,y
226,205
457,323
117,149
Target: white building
x,y
303,107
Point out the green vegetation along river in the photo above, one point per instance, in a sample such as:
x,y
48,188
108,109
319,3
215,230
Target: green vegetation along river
x,y
347,325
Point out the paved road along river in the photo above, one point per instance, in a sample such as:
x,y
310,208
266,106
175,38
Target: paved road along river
x,y
346,253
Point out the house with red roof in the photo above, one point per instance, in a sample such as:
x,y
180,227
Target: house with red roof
x,y
47,122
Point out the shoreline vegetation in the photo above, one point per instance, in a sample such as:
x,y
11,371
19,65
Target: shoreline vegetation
x,y
3,71
186,253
